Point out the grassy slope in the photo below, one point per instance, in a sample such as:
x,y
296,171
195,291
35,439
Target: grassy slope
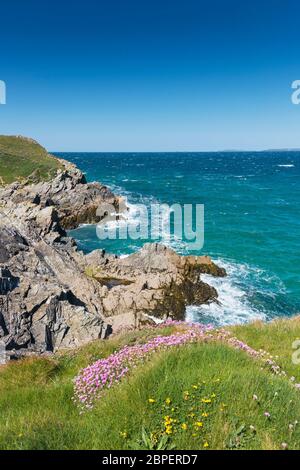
x,y
277,338
21,158
36,411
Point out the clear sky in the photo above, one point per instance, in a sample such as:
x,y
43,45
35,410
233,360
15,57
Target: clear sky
x,y
138,75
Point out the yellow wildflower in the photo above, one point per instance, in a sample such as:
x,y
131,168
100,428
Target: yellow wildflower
x,y
184,426
168,401
199,424
204,415
169,430
205,444
206,400
195,387
151,400
169,420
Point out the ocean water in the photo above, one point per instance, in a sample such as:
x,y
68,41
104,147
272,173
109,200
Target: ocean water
x,y
252,221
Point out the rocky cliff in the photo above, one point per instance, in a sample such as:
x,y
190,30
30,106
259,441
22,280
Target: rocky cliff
x,y
52,296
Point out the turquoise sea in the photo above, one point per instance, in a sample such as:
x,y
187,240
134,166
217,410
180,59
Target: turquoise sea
x,y
252,220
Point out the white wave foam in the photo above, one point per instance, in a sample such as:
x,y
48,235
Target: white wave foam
x,y
130,217
286,166
233,306
134,216
156,320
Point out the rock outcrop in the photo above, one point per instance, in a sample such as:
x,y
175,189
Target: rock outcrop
x,y
74,200
52,296
155,282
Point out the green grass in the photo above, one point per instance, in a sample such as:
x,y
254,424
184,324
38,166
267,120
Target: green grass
x,y
36,410
23,159
277,338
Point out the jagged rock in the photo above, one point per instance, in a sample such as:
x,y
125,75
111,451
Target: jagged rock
x,y
28,285
156,281
46,300
11,242
74,200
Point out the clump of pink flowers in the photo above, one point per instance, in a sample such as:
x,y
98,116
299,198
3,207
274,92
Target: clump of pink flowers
x,y
103,374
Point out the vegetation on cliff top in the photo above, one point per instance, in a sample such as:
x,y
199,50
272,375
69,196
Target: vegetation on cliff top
x,y
24,159
200,396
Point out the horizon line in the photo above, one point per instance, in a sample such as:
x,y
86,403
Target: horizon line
x,y
180,151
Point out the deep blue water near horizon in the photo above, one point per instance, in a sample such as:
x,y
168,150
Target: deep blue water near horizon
x,y
252,220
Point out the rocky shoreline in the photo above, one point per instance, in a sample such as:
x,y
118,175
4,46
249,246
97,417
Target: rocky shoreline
x,y
53,297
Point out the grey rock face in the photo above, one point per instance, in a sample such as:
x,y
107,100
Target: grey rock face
x,y
46,300
155,282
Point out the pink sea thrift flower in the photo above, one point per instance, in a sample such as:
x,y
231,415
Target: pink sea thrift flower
x,y
103,374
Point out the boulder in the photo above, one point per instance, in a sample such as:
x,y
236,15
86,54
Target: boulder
x,y
155,282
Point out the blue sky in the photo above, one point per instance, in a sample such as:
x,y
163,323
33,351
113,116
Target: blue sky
x,y
151,75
